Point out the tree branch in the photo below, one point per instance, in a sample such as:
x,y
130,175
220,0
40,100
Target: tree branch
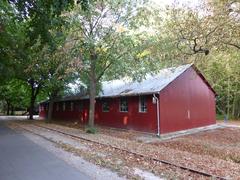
x,y
232,44
104,70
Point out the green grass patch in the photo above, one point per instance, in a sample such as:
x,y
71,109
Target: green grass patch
x,y
220,117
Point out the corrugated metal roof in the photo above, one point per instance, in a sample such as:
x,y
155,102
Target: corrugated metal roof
x,y
125,87
151,84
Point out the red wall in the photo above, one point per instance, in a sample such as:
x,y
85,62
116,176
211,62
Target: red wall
x,y
42,112
128,120
133,119
187,93
79,112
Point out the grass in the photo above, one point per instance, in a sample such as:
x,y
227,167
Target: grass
x,y
219,116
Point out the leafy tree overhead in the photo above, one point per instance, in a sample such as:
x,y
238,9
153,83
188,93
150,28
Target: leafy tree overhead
x,y
60,74
105,41
38,24
214,24
46,69
12,36
42,17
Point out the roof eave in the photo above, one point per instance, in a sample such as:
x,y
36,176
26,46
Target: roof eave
x,y
204,79
130,94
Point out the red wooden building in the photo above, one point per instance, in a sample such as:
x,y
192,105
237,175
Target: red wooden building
x,y
175,99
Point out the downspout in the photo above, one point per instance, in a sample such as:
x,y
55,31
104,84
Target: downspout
x,y
158,118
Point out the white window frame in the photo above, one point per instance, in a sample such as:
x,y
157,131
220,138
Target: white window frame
x,y
106,103
71,106
142,108
123,107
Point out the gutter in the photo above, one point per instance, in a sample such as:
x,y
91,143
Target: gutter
x,y
158,117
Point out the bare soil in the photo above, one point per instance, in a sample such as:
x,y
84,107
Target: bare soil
x,y
230,122
222,144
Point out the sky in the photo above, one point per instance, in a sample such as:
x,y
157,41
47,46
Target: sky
x,y
163,3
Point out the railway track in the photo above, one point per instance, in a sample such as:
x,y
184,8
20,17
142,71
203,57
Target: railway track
x,y
205,174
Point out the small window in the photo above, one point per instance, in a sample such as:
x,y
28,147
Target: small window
x,y
142,104
123,105
64,107
105,106
72,106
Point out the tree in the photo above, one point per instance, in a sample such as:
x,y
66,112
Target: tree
x,y
60,74
40,23
47,70
209,36
10,42
222,71
105,41
15,94
214,24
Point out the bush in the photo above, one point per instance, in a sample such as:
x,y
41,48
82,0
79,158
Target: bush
x,y
220,116
91,130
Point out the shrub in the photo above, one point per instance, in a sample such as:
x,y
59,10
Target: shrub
x,y
91,130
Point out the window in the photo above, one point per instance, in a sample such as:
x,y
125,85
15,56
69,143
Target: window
x,y
57,107
123,105
72,106
64,107
142,104
105,106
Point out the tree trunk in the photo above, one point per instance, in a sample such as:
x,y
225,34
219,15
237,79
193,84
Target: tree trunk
x,y
12,110
92,95
50,109
233,105
8,108
31,108
228,98
34,92
236,106
53,95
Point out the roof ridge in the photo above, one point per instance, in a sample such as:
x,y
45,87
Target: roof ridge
x,y
153,83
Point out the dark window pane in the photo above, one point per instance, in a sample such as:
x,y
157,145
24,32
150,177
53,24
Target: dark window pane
x,y
105,106
123,105
142,104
